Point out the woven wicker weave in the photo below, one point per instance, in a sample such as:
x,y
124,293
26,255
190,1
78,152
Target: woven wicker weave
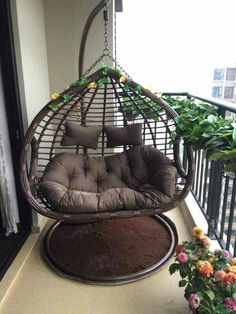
x,y
103,104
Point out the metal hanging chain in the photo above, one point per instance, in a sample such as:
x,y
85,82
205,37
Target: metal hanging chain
x,y
106,51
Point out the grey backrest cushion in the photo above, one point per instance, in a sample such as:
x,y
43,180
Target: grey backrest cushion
x,y
86,136
128,135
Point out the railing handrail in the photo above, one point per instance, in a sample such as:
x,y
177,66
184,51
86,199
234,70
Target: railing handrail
x,y
222,104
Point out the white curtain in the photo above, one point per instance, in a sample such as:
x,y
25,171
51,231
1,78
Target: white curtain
x,y
8,212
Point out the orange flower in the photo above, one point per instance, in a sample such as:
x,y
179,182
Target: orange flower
x,y
198,232
229,278
205,241
205,268
179,249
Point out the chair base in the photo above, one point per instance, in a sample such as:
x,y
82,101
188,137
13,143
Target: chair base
x,y
110,252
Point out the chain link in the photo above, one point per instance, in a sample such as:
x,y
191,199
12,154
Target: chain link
x,y
106,51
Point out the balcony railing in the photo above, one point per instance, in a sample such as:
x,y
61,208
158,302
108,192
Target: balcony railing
x,y
213,190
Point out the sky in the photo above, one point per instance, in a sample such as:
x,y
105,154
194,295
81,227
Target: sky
x,y
174,45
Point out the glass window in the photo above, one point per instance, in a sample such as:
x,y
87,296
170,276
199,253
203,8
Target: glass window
x,y
230,74
217,92
229,93
219,74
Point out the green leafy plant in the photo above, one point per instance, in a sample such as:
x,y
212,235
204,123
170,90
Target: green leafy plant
x,y
200,125
209,277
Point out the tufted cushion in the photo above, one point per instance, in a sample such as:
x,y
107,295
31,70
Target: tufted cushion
x,y
75,134
128,135
141,177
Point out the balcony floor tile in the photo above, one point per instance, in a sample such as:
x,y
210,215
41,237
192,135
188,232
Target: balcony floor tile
x,y
38,290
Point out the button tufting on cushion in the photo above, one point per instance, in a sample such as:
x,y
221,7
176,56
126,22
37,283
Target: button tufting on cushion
x,y
141,177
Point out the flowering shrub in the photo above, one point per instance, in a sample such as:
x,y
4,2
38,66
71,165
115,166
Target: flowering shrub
x,y
209,277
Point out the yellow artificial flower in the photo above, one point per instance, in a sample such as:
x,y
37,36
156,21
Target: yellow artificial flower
x,y
198,232
92,85
233,261
54,96
149,87
123,79
158,95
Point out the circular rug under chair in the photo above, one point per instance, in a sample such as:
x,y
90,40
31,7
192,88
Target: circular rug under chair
x,y
110,252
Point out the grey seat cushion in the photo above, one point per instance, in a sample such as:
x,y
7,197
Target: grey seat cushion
x,y
141,177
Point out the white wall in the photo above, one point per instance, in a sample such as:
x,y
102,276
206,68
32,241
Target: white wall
x,y
32,45
47,38
31,54
64,21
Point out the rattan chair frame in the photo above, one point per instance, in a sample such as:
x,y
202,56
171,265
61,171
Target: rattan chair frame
x,y
101,105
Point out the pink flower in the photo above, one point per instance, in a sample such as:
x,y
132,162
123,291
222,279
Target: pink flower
x,y
194,301
231,304
182,257
220,275
226,254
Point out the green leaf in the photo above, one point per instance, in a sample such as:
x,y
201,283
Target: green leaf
x,y
210,294
104,69
82,81
234,296
53,106
102,81
173,268
66,97
138,89
231,166
234,136
182,283
117,70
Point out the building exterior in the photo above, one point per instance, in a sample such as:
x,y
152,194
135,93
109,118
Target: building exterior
x,y
224,83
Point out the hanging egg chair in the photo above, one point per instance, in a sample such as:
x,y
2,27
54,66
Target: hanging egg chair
x,y
102,151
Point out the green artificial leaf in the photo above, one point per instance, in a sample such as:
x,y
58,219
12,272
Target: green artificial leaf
x,y
102,81
231,166
217,155
66,97
117,70
182,283
53,106
173,268
210,294
234,296
82,81
205,306
104,69
138,89
234,135
221,309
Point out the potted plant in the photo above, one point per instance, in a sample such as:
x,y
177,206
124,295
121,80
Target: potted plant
x,y
202,127
209,278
